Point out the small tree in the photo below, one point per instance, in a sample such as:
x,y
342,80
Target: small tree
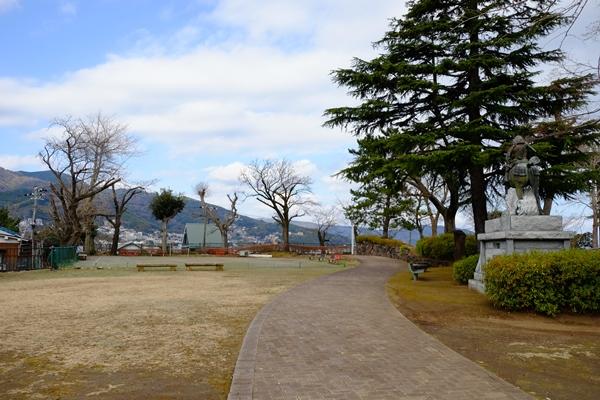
x,y
7,221
119,200
278,185
165,206
324,218
224,223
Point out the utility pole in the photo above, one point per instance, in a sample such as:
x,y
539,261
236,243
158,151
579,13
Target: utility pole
x,y
36,195
204,230
353,241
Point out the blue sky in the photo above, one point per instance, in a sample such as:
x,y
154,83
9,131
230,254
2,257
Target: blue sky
x,y
206,85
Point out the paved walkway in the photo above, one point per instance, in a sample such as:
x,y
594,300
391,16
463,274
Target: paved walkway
x,y
338,337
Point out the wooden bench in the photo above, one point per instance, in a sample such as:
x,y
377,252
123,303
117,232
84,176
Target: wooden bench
x,y
418,267
190,266
141,267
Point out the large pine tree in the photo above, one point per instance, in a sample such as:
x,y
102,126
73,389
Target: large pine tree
x,y
454,81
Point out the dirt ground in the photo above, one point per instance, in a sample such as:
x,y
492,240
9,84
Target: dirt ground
x,y
114,333
551,358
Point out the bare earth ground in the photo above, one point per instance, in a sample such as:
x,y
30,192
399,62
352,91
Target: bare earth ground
x,y
119,334
550,358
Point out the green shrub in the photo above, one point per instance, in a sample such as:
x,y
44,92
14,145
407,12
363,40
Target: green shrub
x,y
380,240
545,282
441,247
471,245
464,269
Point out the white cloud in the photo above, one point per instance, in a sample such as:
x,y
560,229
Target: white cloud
x,y
248,80
17,162
68,8
6,5
220,94
305,167
229,173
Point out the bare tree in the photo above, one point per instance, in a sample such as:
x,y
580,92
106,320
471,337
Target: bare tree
x,y
324,219
119,201
108,147
85,160
280,187
225,223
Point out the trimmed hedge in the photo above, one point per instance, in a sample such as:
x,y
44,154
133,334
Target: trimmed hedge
x,y
464,269
547,283
441,247
380,240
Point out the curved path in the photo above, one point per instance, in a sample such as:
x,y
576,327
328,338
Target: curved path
x,y
339,337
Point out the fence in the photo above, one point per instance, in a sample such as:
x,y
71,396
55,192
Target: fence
x,y
61,256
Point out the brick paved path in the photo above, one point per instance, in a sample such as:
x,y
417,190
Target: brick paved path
x,y
338,337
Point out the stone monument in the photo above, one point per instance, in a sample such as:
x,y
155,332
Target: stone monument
x,y
521,228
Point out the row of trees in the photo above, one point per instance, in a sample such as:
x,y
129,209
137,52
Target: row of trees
x,y
454,82
88,158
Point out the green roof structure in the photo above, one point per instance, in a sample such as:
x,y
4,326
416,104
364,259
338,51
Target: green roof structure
x,y
193,236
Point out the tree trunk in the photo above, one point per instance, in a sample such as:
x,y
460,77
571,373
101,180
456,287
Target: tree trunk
x,y
478,185
449,220
285,233
478,198
225,238
386,228
321,237
114,248
89,243
164,236
595,203
434,222
547,207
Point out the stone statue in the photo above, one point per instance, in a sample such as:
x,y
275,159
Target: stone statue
x,y
522,174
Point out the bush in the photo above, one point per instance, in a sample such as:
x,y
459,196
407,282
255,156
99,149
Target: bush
x,y
547,283
471,246
441,247
464,269
380,240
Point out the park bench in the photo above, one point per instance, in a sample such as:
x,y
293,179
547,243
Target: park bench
x,y
191,266
418,267
141,267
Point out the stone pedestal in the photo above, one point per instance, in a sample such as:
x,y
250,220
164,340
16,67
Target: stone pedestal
x,y
518,234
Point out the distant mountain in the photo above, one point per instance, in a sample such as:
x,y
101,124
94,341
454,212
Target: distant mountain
x,y
15,185
11,181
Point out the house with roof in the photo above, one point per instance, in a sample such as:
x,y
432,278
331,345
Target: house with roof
x,y
10,243
196,236
130,249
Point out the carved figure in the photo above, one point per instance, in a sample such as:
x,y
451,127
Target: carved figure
x,y
521,171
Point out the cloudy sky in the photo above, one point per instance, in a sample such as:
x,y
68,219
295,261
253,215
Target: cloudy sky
x,y
206,85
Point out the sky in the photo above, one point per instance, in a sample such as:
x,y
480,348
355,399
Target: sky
x,y
205,85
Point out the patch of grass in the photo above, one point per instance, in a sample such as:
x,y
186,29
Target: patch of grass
x,y
120,333
435,289
550,358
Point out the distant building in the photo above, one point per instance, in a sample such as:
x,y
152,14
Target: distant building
x,y
9,249
130,249
193,236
